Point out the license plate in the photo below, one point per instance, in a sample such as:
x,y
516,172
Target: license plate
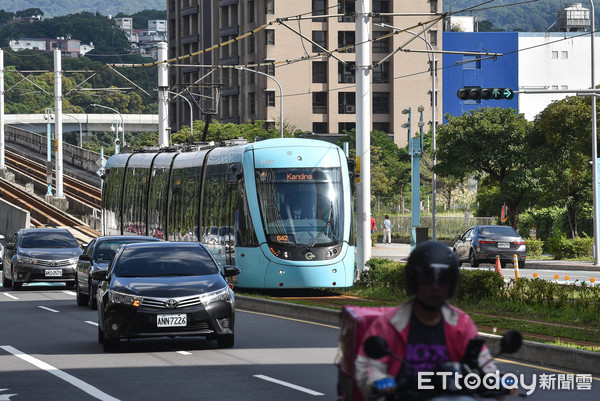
x,y
53,273
171,320
503,245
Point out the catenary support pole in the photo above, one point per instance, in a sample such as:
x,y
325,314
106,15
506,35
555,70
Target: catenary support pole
x,y
163,96
594,146
58,123
363,139
2,137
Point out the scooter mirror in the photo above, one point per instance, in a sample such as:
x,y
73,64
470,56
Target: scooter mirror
x,y
511,342
376,347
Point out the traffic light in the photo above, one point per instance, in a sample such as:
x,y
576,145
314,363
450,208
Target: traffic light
x,y
485,93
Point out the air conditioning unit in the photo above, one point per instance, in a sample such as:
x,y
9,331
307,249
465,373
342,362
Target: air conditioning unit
x,y
350,79
350,109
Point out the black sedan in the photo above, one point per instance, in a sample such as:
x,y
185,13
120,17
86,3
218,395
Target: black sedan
x,y
40,254
156,289
481,244
97,256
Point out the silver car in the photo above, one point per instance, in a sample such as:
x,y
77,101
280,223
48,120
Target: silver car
x,y
481,244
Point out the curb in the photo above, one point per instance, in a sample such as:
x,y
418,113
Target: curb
x,y
531,352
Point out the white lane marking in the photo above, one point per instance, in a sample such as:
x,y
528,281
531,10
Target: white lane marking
x,y
184,353
10,295
80,384
48,309
290,385
92,323
69,292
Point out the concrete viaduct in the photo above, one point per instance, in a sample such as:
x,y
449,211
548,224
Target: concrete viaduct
x,y
85,122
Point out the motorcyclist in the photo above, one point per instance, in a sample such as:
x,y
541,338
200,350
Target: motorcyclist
x,y
424,332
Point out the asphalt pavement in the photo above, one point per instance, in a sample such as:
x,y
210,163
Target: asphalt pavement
x,y
400,252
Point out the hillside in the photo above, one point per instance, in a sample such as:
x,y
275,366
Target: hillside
x,y
53,8
529,17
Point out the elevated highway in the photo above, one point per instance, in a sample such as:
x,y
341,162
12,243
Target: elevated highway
x,y
73,122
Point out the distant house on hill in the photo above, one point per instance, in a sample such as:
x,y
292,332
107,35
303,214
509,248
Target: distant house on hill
x,y
67,46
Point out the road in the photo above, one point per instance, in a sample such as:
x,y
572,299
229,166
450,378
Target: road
x,y
49,351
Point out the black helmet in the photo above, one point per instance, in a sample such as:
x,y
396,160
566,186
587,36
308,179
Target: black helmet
x,y
431,261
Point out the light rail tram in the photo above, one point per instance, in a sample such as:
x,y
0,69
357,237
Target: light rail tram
x,y
278,209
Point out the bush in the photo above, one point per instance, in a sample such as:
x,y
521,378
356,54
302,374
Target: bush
x,y
385,275
584,246
534,247
561,247
476,285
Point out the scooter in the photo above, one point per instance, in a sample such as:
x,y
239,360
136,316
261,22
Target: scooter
x,y
464,380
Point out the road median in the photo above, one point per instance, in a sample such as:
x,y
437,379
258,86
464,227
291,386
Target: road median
x,y
542,355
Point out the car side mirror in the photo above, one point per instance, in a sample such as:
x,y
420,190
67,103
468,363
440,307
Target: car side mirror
x,y
230,271
84,257
457,237
10,245
100,275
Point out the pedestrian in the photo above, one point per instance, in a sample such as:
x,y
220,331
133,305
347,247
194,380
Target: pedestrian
x,y
373,224
387,229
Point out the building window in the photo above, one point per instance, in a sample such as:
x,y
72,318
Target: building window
x,y
250,11
346,127
269,6
319,37
383,127
433,6
433,37
319,103
270,68
381,45
347,102
347,73
319,72
252,103
251,44
381,102
251,75
554,55
319,128
383,7
346,39
270,98
319,7
381,73
269,36
346,7
564,55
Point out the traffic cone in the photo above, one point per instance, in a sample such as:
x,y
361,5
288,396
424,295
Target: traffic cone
x,y
498,266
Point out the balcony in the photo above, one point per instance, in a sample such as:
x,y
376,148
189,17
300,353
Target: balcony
x,y
189,11
224,3
230,60
231,30
186,40
230,91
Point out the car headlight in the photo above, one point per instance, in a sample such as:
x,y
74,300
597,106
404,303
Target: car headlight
x,y
73,261
25,261
224,294
123,299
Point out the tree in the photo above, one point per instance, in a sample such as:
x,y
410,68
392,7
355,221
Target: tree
x,y
488,141
561,136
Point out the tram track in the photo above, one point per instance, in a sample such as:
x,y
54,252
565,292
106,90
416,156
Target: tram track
x,y
43,214
80,191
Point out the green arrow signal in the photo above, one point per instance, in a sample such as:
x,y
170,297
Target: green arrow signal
x,y
508,93
496,94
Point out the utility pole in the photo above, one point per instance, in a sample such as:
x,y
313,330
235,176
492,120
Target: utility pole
x,y
363,138
163,96
60,200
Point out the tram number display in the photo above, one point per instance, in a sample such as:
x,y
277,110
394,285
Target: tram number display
x,y
283,237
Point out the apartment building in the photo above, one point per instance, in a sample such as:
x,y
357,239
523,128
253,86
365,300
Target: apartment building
x,y
319,92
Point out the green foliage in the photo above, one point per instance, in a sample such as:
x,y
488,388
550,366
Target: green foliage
x,y
384,275
476,285
584,246
218,132
543,220
534,247
64,7
561,247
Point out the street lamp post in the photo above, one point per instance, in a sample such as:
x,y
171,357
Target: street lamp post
x,y
80,131
433,126
49,116
116,111
191,110
594,147
280,94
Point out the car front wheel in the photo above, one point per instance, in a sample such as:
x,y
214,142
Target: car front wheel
x,y
92,302
472,260
81,298
6,283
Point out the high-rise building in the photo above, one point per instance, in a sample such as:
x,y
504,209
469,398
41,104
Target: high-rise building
x,y
319,93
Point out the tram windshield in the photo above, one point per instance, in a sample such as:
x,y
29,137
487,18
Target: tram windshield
x,y
301,206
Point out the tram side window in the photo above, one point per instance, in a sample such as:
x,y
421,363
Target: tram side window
x,y
246,236
134,200
184,203
111,200
215,200
157,202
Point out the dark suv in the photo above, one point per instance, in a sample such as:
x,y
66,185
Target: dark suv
x,y
40,255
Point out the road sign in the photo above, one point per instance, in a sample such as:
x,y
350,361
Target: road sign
x,y
101,172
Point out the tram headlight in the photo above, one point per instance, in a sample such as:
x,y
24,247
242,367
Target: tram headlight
x,y
280,253
333,252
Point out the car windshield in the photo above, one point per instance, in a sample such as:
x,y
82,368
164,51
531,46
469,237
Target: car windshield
x,y
48,239
165,261
107,249
299,206
499,230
